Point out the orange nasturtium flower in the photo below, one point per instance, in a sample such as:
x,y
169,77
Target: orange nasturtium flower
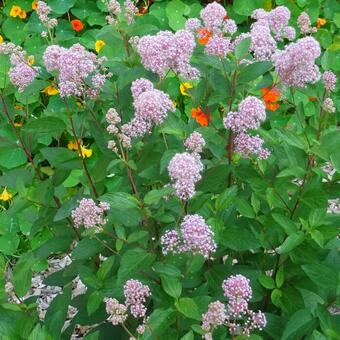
x,y
15,11
184,87
200,117
270,97
5,195
204,35
22,14
320,22
77,25
50,90
312,99
99,45
1,39
35,5
30,60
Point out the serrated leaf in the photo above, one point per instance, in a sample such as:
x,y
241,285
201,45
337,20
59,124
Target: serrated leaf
x,y
188,308
291,242
172,286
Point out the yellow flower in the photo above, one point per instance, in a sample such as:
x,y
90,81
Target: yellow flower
x,y
72,145
31,60
15,11
5,195
18,107
1,39
22,14
99,45
184,87
50,90
34,5
18,125
85,152
320,22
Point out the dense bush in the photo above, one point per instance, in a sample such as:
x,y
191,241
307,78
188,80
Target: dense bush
x,y
169,171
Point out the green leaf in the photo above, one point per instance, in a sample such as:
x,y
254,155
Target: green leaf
x,y
154,196
105,268
61,6
13,29
188,308
266,281
56,156
286,223
12,157
246,7
253,71
45,126
120,200
280,277
291,242
298,325
89,278
166,269
137,236
239,238
132,262
172,286
93,302
244,208
57,312
324,276
86,248
242,48
160,321
9,243
22,274
226,198
188,336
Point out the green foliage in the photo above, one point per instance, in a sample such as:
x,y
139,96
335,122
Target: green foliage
x,y
271,219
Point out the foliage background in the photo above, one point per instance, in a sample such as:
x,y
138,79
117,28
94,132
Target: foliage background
x,y
263,210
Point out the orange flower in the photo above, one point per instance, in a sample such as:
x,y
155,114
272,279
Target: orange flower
x,y
320,22
200,117
312,99
270,97
34,5
77,25
226,17
204,35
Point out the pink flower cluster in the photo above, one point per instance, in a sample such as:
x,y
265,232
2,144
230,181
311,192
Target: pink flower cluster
x,y
21,73
89,214
113,119
135,293
135,296
296,63
218,46
43,11
329,80
303,22
185,171
194,143
194,237
114,9
237,316
269,27
151,108
75,66
167,51
251,112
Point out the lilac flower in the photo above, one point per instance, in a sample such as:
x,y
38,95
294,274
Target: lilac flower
x,y
213,16
262,43
167,51
21,74
114,9
251,112
289,33
43,11
218,46
247,145
215,316
296,63
329,80
184,170
194,237
135,296
237,286
192,24
304,24
89,214
130,11
328,105
237,307
229,26
195,142
139,86
117,311
74,66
